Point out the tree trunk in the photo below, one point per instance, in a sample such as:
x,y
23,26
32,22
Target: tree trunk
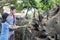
x,y
34,14
1,10
47,15
26,14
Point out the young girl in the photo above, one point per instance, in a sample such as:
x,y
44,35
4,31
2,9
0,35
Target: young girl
x,y
5,27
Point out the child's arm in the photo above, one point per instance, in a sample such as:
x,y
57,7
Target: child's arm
x,y
13,27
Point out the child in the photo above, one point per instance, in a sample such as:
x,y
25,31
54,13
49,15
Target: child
x,y
5,27
12,21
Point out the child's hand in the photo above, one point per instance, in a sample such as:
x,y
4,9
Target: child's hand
x,y
15,27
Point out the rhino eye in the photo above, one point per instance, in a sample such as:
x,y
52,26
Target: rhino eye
x,y
56,22
52,36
